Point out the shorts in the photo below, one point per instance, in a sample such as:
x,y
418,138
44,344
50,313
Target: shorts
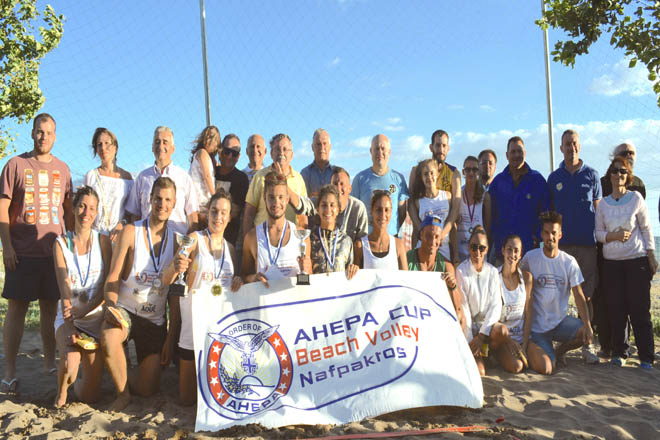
x,y
33,279
565,331
186,355
149,338
586,257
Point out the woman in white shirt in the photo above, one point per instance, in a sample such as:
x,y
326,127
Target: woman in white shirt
x,y
475,206
624,228
426,199
82,260
482,296
212,273
510,336
380,250
111,183
202,167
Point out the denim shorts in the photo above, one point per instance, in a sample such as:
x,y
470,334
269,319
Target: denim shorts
x,y
565,331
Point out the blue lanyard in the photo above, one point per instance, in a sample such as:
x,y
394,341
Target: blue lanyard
x,y
216,270
279,245
330,261
83,281
156,262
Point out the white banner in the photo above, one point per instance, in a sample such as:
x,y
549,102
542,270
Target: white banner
x,y
333,352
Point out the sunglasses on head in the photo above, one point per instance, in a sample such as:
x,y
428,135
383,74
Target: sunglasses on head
x,y
478,247
227,151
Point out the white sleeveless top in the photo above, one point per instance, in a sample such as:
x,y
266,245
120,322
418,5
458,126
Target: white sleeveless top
x,y
437,207
513,308
285,264
83,293
112,192
370,261
206,271
136,293
203,196
466,224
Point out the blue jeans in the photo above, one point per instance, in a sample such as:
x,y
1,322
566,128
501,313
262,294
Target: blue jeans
x,y
565,331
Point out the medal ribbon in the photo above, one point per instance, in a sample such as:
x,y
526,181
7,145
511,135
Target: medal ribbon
x,y
217,271
279,245
474,207
331,261
83,281
154,261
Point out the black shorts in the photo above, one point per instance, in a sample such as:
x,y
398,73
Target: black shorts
x,y
186,355
149,338
33,279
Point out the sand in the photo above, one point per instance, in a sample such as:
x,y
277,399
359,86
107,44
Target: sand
x,y
579,401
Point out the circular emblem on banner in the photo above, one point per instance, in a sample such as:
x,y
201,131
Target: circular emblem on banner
x,y
248,368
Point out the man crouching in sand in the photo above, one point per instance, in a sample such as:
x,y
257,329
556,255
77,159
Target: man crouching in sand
x,y
135,297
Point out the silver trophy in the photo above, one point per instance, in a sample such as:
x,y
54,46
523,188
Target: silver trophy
x,y
302,234
179,287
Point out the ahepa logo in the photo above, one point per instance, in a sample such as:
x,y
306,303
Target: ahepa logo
x,y
248,368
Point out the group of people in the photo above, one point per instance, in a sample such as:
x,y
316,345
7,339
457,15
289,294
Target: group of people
x,y
100,259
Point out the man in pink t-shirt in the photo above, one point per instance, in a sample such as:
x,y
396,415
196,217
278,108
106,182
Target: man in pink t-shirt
x,y
35,200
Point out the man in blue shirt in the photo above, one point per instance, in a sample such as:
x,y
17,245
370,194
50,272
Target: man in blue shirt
x,y
319,172
518,195
575,192
380,176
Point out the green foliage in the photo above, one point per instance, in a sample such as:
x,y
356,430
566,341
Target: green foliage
x,y
20,55
633,25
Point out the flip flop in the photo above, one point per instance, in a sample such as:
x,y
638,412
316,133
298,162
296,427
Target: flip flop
x,y
9,387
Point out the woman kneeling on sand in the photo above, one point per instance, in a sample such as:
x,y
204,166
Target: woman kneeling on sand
x,y
482,296
212,273
513,330
82,260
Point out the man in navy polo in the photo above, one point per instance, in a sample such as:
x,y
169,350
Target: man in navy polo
x,y
518,195
574,193
319,172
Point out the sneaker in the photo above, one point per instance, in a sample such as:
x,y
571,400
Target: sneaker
x,y
619,362
646,365
589,354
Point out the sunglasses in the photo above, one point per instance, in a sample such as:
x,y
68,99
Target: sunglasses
x,y
620,171
478,247
227,151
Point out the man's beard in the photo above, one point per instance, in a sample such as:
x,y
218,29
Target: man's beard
x,y
277,216
437,158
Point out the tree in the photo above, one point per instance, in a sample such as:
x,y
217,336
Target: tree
x,y
20,56
634,26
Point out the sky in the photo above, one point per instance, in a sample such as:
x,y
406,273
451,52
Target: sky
x,y
353,67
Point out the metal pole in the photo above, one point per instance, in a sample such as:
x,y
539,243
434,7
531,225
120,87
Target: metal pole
x,y
548,93
202,19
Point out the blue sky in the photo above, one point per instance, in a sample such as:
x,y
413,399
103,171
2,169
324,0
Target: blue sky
x,y
356,68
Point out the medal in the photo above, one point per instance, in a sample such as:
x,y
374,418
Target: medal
x,y
157,283
279,245
83,281
330,261
216,289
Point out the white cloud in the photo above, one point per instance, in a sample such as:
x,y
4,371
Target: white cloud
x,y
414,143
361,142
486,108
623,80
394,120
334,62
390,124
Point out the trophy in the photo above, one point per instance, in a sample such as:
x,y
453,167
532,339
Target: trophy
x,y
302,234
179,287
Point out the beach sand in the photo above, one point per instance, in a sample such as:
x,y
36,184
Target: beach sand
x,y
579,401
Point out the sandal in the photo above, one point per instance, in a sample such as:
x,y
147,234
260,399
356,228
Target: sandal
x,y
9,387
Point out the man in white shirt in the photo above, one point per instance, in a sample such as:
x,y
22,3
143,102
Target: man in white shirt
x,y
138,204
555,274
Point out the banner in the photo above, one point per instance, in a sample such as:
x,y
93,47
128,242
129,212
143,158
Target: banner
x,y
332,352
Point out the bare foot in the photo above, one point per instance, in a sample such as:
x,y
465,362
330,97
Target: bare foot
x,y
60,400
122,401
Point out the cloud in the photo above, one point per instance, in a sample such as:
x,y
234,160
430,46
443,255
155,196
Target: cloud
x,y
334,62
414,143
361,142
390,124
623,80
486,108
